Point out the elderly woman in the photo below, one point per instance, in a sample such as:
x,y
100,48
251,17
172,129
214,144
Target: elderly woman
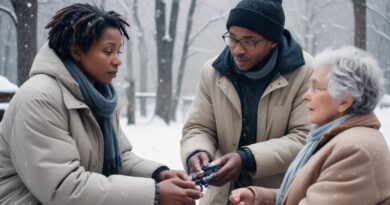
x,y
346,159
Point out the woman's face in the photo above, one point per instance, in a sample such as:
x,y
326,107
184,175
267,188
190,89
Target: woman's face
x,y
101,62
322,107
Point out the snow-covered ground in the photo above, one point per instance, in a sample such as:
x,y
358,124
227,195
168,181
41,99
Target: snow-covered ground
x,y
152,139
6,86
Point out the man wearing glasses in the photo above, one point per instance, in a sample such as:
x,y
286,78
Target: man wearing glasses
x,y
248,115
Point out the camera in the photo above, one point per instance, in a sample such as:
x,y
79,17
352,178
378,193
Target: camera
x,y
207,177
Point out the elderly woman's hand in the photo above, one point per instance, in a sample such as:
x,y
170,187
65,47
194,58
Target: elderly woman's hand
x,y
242,196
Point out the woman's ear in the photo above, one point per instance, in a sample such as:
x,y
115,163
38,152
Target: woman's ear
x,y
75,52
346,104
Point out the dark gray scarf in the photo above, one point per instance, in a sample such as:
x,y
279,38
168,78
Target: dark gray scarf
x,y
102,100
259,71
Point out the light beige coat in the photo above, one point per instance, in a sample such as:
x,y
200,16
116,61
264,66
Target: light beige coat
x,y
51,147
351,166
214,124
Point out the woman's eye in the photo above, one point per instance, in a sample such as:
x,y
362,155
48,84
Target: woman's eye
x,y
108,52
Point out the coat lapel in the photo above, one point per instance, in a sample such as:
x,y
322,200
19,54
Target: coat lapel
x,y
228,89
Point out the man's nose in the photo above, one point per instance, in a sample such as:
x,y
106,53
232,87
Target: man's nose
x,y
238,49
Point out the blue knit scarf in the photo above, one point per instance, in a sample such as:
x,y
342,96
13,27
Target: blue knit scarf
x,y
304,155
102,100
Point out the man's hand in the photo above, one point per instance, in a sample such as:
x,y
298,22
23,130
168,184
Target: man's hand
x,y
169,174
176,191
242,196
196,161
230,169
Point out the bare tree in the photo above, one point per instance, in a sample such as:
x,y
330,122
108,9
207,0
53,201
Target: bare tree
x,y
130,88
7,52
26,29
131,85
188,40
165,45
2,66
359,8
9,13
6,42
380,27
143,57
309,14
183,59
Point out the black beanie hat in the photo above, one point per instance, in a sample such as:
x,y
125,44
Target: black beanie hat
x,y
265,17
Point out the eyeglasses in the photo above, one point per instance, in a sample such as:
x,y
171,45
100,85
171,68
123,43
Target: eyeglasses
x,y
247,44
313,87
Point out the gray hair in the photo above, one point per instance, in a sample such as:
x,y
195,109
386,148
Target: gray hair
x,y
353,72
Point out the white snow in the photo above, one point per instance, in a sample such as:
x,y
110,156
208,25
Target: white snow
x,y
3,106
154,140
6,86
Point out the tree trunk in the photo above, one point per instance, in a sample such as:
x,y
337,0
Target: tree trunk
x,y
130,102
130,90
359,8
183,60
143,59
165,46
7,69
2,51
26,29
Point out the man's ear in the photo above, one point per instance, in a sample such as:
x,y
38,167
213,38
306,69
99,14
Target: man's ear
x,y
75,52
346,104
273,44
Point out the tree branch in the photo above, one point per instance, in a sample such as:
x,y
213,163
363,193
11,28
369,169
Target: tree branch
x,y
371,7
10,14
124,6
199,31
379,32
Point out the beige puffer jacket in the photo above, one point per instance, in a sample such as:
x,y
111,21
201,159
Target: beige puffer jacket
x,y
51,147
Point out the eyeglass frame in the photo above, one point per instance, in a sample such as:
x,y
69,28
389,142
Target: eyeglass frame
x,y
236,42
313,87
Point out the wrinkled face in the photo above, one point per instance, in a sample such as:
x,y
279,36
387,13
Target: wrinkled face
x,y
100,63
245,59
322,107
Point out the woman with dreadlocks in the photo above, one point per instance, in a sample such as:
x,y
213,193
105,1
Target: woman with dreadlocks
x,y
60,140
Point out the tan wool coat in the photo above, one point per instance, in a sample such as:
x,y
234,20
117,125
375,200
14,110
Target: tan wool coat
x,y
214,125
351,166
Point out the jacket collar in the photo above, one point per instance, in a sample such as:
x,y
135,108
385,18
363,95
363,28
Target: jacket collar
x,y
47,62
228,89
289,57
368,120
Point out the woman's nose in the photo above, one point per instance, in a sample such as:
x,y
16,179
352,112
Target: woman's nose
x,y
117,60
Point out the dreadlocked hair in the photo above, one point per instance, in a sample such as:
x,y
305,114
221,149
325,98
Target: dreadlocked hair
x,y
82,25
